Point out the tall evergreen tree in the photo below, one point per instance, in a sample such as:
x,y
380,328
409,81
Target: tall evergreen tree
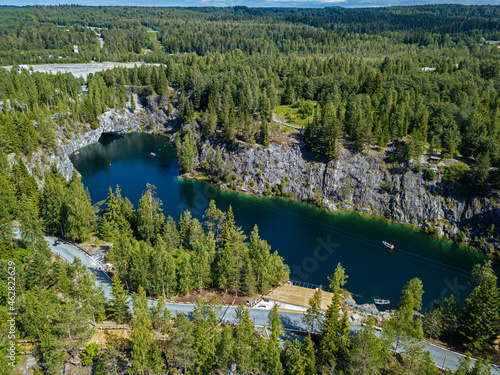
x,y
479,321
142,334
119,297
313,317
150,218
81,213
309,356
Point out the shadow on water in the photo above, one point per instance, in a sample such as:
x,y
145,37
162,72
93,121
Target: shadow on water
x,y
311,240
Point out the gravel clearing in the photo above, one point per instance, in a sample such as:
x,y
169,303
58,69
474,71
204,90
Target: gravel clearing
x,y
80,70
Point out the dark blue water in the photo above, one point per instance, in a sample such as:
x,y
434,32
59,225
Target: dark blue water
x,y
311,240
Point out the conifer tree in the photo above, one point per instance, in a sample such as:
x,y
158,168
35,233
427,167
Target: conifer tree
x,y
203,251
259,252
7,205
313,317
150,218
309,356
480,320
224,257
402,327
334,342
81,213
54,200
296,362
244,340
119,299
186,152
368,355
132,102
142,334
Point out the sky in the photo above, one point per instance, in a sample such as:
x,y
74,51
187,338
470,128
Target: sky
x,y
251,3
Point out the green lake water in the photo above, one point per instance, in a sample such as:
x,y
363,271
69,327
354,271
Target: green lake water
x,y
311,240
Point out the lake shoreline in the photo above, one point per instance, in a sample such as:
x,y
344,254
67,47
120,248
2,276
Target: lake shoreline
x,y
199,177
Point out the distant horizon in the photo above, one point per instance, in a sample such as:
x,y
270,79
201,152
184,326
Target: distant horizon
x,y
249,4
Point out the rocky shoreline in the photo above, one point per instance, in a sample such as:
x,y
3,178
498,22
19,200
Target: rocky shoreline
x,y
361,182
150,118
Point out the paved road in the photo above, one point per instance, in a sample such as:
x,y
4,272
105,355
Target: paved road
x,y
292,321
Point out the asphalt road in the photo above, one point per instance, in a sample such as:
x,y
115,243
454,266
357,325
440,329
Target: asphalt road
x,y
292,321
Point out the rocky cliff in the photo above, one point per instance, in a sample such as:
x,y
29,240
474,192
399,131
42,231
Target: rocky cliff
x,y
112,121
148,118
363,182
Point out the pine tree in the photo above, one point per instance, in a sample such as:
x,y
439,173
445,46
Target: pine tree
x,y
118,213
313,317
53,207
150,219
296,363
402,327
334,341
275,324
142,334
119,298
480,171
225,257
479,320
184,274
7,205
309,357
288,94
186,152
225,349
31,225
214,219
244,340
182,342
273,361
171,234
132,102
81,213
264,134
259,252
170,276
202,251
205,336
368,355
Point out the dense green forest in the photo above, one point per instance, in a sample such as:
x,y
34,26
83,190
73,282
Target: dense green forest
x,y
355,78
357,72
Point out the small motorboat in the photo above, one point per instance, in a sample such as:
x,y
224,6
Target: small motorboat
x,y
152,154
379,301
77,152
388,245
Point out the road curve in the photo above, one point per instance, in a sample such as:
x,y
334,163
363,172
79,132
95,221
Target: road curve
x,y
442,357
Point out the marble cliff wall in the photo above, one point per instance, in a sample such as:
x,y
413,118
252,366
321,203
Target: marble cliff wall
x,y
364,183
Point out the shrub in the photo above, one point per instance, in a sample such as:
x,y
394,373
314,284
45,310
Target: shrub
x,y
90,353
460,236
455,173
429,174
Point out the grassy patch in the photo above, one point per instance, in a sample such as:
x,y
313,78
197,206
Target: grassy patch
x,y
299,114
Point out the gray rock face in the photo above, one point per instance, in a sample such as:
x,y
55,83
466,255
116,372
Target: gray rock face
x,y
148,118
363,183
112,121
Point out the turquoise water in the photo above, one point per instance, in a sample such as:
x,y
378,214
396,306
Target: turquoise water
x,y
311,240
